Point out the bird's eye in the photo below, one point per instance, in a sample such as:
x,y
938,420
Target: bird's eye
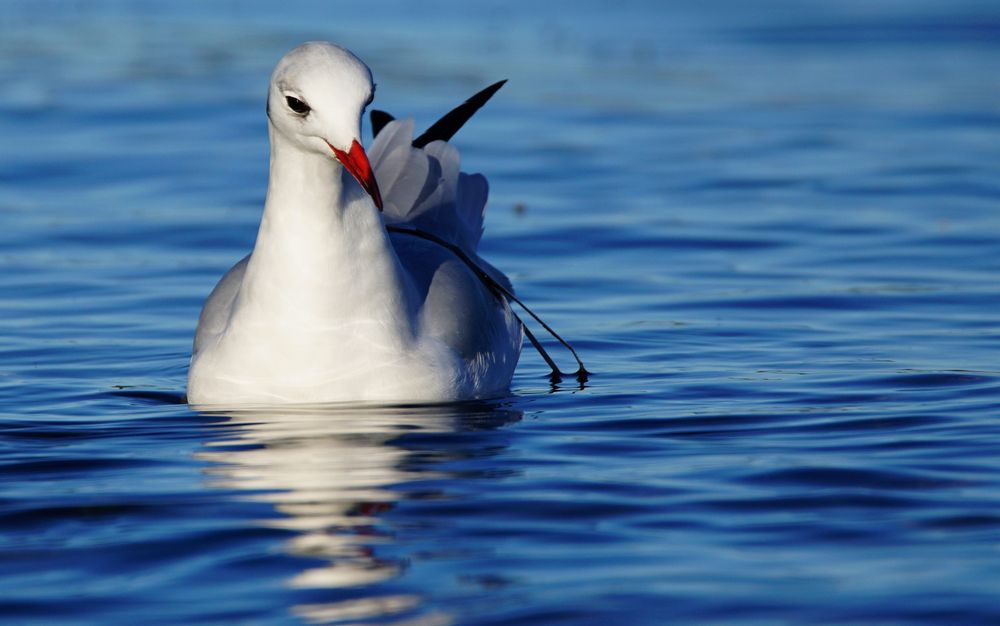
x,y
297,105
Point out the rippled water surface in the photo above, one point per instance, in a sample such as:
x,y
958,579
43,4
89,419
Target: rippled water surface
x,y
772,230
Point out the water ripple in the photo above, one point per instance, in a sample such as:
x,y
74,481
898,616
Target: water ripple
x,y
781,268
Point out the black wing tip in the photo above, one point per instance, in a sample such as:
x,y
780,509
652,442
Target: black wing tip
x,y
487,93
379,120
446,127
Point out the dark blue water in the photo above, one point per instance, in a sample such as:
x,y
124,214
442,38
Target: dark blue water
x,y
771,229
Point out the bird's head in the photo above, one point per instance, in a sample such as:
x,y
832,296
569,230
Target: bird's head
x,y
318,94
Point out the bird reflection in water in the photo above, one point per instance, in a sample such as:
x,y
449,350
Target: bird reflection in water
x,y
333,472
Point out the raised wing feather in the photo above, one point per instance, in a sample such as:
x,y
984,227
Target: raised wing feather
x,y
424,187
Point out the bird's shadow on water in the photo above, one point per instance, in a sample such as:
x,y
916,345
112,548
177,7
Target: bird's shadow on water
x,y
152,396
336,477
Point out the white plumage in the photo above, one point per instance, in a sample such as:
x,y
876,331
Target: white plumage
x,y
330,306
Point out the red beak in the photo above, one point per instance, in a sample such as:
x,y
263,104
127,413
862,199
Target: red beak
x,y
356,162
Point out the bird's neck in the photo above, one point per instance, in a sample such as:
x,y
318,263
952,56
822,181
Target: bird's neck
x,y
322,255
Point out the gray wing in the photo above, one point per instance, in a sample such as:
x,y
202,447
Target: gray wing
x,y
457,308
424,187
215,313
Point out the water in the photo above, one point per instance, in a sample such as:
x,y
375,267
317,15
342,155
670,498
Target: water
x,y
772,230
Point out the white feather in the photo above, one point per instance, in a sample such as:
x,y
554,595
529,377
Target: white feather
x,y
425,189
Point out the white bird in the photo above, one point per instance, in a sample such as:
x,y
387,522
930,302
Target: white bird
x,y
330,306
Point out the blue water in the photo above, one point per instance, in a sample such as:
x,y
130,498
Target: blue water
x,y
771,229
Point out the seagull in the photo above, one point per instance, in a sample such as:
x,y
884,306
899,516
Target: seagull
x,y
364,283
